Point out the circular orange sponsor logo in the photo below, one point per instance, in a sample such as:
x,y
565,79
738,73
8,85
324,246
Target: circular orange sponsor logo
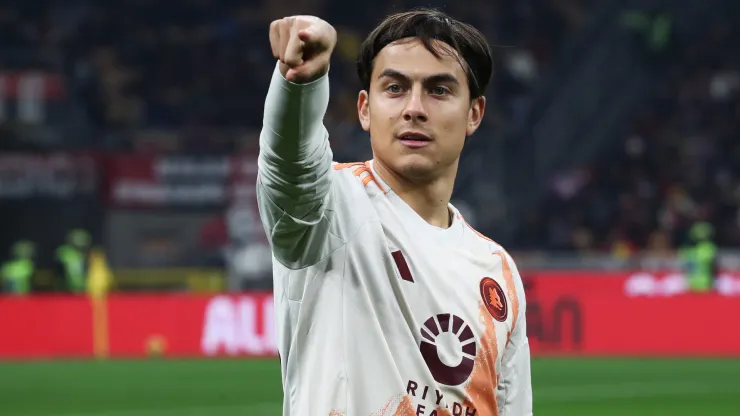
x,y
494,299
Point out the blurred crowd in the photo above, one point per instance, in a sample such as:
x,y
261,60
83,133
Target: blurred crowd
x,y
679,166
191,76
139,64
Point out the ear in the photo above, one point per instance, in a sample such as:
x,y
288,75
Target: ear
x,y
363,109
475,114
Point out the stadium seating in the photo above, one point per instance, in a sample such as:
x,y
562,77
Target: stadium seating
x,y
677,166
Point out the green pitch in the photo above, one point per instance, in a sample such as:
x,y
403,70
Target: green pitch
x,y
572,387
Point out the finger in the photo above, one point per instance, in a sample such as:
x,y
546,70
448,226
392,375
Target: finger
x,y
294,49
275,39
307,35
284,38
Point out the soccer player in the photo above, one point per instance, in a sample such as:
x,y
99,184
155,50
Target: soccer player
x,y
386,301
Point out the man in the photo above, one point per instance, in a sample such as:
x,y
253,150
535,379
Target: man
x,y
386,301
17,273
71,261
699,258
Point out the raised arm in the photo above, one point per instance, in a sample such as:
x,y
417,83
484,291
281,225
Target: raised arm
x,y
295,161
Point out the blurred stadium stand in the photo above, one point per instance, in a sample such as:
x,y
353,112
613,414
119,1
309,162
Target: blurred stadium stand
x,y
611,129
611,140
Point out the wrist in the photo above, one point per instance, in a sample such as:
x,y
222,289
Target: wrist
x,y
303,79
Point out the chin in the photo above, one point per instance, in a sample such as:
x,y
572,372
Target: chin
x,y
415,166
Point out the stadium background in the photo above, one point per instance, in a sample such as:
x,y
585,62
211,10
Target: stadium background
x,y
612,132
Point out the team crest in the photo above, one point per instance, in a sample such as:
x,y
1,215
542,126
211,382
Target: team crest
x,y
494,299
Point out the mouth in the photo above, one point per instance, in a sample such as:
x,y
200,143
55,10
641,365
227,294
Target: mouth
x,y
414,140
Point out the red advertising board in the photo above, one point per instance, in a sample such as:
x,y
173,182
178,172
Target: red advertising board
x,y
187,325
179,325
618,313
567,314
45,327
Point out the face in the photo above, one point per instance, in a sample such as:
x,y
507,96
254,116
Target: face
x,y
418,111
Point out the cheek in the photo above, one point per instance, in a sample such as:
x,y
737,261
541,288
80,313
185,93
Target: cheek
x,y
382,116
455,129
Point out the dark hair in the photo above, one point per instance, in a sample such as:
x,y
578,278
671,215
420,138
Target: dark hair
x,y
428,25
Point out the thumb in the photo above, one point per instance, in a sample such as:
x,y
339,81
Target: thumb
x,y
308,71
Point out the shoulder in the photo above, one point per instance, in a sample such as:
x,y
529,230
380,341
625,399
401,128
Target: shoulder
x,y
358,173
483,242
478,239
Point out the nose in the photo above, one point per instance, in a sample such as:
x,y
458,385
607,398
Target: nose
x,y
414,109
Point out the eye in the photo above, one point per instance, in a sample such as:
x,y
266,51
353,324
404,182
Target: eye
x,y
394,89
439,90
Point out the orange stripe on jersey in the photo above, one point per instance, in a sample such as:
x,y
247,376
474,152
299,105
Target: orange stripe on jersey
x,y
367,164
480,390
360,169
406,408
510,288
399,404
340,166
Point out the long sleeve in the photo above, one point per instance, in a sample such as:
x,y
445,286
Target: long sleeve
x,y
515,386
295,170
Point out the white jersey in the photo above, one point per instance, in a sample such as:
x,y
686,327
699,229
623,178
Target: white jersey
x,y
377,311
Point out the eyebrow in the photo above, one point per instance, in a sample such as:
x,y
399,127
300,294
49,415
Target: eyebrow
x,y
441,78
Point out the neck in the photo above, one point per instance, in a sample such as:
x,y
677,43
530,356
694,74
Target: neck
x,y
428,197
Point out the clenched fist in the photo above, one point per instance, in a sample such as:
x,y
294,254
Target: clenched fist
x,y
303,44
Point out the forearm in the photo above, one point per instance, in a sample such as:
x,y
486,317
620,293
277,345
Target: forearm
x,y
295,157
